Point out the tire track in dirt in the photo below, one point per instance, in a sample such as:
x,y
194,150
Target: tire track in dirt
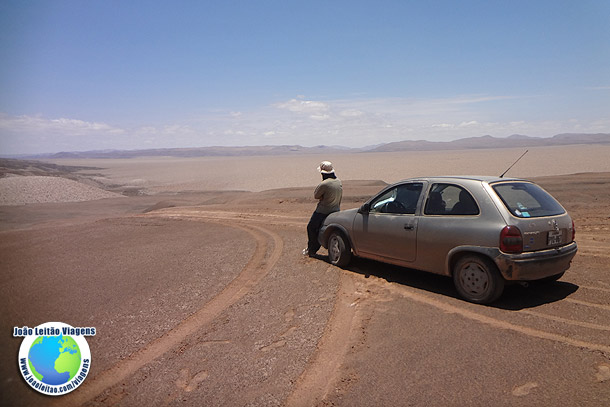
x,y
589,287
593,244
500,323
588,325
588,304
258,267
323,369
266,218
322,372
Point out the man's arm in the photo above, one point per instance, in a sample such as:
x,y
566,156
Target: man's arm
x,y
319,192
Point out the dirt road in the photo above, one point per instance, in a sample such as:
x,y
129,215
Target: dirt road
x,y
206,300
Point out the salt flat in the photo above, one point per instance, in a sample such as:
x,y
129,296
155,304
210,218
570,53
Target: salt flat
x,y
169,174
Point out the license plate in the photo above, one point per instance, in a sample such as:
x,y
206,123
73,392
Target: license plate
x,y
554,237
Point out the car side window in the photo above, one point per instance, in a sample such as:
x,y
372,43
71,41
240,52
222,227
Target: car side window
x,y
401,199
449,199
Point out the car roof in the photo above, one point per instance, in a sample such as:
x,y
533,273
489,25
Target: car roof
x,y
482,178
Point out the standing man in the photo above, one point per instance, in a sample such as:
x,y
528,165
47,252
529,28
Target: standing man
x,y
328,193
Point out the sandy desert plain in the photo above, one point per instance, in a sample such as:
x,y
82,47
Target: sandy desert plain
x,y
191,271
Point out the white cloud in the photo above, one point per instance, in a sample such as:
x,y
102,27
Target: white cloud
x,y
351,113
469,124
303,106
70,127
75,125
349,122
36,134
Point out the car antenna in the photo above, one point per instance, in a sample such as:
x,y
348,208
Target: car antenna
x,y
514,163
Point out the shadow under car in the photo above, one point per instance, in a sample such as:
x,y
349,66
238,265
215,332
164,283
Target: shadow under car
x,y
516,296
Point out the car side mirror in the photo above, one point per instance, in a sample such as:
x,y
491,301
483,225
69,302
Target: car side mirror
x,y
365,208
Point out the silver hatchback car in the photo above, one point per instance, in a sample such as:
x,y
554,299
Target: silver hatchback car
x,y
482,231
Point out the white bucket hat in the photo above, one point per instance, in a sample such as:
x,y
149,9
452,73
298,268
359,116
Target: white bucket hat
x,y
326,167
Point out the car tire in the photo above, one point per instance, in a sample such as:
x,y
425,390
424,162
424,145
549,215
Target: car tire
x,y
477,279
339,250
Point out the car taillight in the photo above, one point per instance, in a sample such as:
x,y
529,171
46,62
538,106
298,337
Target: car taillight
x,y
573,231
511,240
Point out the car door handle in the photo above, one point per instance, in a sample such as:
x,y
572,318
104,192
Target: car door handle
x,y
409,227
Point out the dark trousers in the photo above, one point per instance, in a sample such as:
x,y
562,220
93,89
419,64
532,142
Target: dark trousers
x,y
313,228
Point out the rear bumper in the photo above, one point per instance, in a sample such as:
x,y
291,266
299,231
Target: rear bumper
x,y
535,265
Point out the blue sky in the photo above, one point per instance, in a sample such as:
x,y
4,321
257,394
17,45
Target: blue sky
x,y
84,75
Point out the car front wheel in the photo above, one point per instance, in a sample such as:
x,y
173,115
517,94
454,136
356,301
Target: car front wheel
x,y
477,279
339,250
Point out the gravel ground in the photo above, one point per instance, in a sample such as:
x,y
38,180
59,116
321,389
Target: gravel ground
x,y
153,285
19,190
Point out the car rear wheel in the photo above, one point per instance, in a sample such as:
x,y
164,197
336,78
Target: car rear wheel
x,y
339,250
477,279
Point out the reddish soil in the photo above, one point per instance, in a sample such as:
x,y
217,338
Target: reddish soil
x,y
204,298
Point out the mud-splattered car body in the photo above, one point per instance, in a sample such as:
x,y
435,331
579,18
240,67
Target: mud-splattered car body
x,y
482,231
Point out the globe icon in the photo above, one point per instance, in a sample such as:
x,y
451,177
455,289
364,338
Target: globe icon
x,y
54,360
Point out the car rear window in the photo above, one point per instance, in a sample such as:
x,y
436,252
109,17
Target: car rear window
x,y
527,200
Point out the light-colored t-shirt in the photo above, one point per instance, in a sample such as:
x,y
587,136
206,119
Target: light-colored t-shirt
x,y
329,192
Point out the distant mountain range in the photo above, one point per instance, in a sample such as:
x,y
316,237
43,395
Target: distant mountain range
x,y
516,140
483,142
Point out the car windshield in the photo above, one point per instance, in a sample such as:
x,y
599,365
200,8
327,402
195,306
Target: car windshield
x,y
526,200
